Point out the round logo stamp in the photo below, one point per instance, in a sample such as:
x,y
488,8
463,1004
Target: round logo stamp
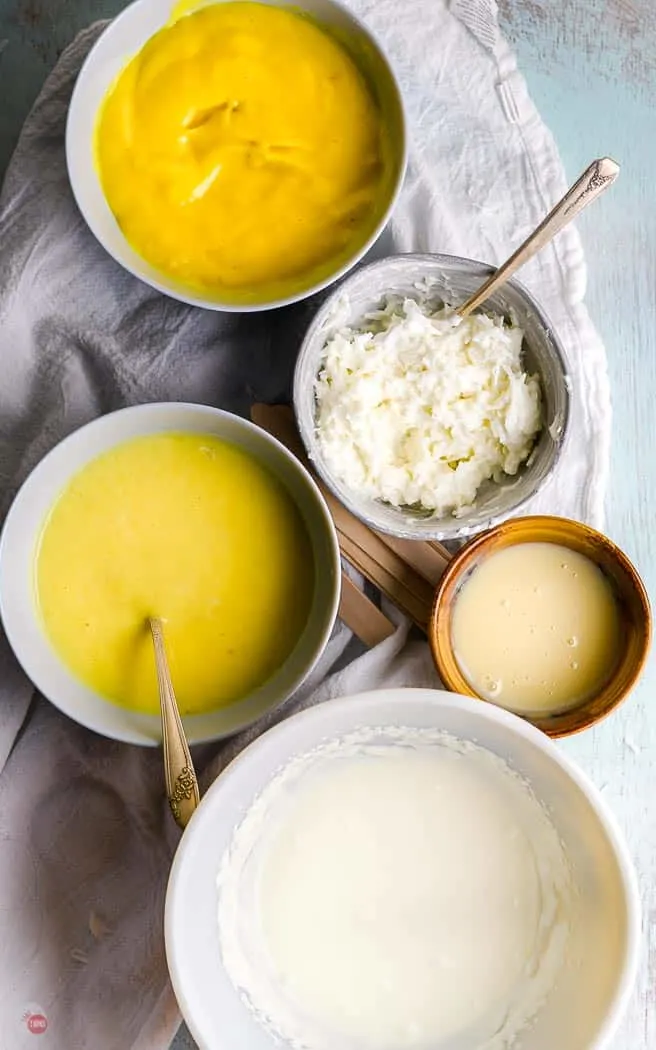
x,y
35,1020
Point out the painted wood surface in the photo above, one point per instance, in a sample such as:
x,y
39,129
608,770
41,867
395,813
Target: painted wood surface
x,y
591,68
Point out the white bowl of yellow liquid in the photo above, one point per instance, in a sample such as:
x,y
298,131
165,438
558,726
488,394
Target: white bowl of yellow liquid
x,y
236,155
404,869
184,512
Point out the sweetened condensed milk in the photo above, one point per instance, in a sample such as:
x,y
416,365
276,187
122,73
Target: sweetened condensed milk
x,y
536,628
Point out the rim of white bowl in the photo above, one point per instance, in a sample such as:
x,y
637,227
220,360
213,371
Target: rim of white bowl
x,y
30,665
437,698
76,166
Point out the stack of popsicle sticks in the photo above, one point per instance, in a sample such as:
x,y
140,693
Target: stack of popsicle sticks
x,y
405,571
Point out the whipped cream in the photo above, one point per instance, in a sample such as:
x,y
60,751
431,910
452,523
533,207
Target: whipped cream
x,y
392,890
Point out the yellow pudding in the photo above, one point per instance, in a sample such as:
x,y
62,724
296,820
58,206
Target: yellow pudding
x,y
189,528
536,628
242,151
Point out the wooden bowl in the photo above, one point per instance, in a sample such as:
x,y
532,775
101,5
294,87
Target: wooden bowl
x,y
627,586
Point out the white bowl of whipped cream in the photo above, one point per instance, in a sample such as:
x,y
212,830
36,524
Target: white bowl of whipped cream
x,y
400,870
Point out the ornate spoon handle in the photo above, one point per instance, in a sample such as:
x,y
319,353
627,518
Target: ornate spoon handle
x,y
181,783
594,180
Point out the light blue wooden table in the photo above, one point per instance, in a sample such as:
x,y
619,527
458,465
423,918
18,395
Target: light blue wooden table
x,y
591,68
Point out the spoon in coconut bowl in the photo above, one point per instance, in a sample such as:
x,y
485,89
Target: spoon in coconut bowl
x,y
592,183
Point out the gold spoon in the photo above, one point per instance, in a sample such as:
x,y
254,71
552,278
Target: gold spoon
x,y
592,183
181,783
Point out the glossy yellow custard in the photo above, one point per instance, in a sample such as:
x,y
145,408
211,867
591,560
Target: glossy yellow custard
x,y
242,151
189,528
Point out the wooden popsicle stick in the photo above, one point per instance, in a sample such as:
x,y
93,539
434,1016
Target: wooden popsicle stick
x,y
363,617
380,553
385,579
381,561
428,560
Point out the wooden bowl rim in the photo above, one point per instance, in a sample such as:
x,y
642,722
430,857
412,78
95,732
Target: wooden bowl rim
x,y
538,528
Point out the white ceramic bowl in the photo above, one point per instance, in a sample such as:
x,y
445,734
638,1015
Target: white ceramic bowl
x,y
21,533
452,280
585,1007
122,39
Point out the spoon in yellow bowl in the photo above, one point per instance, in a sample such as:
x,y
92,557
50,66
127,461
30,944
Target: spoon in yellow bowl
x,y
181,783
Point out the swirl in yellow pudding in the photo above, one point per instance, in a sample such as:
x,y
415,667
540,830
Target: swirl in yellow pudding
x,y
242,152
189,528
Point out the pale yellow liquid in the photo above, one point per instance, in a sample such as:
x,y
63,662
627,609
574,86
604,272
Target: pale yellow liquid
x,y
536,628
188,528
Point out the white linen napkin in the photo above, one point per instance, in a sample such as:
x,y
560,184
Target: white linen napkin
x,y
85,836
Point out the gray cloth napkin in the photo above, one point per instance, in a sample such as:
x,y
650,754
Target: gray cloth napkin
x,y
85,836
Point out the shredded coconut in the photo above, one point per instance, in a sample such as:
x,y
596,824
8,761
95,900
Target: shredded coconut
x,y
419,407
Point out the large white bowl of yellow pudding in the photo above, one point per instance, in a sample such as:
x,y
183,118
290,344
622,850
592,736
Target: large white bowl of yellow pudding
x,y
236,155
184,512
